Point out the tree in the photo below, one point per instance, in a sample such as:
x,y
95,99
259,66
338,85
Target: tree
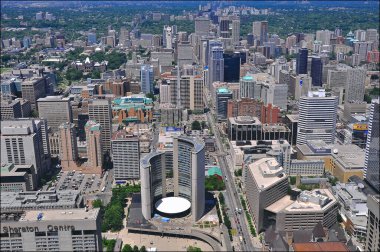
x,y
203,124
135,249
151,96
97,203
95,74
196,125
193,249
127,248
143,249
34,113
73,74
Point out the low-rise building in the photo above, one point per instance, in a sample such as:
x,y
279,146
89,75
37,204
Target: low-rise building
x,y
17,178
306,168
244,128
309,208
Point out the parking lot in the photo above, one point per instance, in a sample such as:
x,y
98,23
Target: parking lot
x,y
75,180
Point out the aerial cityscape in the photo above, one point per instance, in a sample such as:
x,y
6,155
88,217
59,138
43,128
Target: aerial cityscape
x,y
190,126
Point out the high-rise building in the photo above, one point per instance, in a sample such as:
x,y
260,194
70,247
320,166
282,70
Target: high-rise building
x,y
316,71
164,92
371,165
216,65
94,136
362,48
232,64
167,37
222,97
301,63
355,85
317,117
25,142
244,107
100,112
249,88
265,183
56,110
10,110
68,146
275,94
91,38
124,36
185,54
70,229
260,31
373,231
202,25
33,89
235,31
224,27
147,77
186,164
125,156
190,90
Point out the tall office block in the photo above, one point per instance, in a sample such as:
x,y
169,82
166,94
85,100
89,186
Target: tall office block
x,y
260,31
265,183
56,110
91,38
222,97
100,112
167,37
317,118
33,89
371,165
232,64
10,110
235,31
249,88
301,62
355,85
147,78
125,156
373,228
316,71
25,142
189,93
187,164
216,67
202,25
68,146
94,137
224,27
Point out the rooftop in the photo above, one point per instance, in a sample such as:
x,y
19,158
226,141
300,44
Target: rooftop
x,y
244,120
67,214
223,90
267,172
349,156
320,246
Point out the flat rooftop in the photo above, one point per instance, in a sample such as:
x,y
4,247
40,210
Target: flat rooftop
x,y
248,120
267,172
349,156
67,214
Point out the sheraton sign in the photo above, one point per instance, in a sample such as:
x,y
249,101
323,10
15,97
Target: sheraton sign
x,y
26,229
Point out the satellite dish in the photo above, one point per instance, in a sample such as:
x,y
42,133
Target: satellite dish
x,y
335,151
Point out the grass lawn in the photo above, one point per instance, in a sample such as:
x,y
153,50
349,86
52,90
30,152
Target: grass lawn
x,y
4,69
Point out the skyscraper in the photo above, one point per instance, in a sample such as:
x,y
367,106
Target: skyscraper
x,y
371,165
91,38
100,112
260,31
224,27
222,97
235,30
167,37
25,142
94,136
373,231
56,110
231,66
317,117
187,164
202,25
355,85
316,71
249,88
301,62
125,155
216,67
68,148
147,78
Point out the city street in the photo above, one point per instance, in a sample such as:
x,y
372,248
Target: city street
x,y
231,193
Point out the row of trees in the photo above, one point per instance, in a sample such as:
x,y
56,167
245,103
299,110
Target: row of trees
x,y
226,219
113,213
249,218
128,248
